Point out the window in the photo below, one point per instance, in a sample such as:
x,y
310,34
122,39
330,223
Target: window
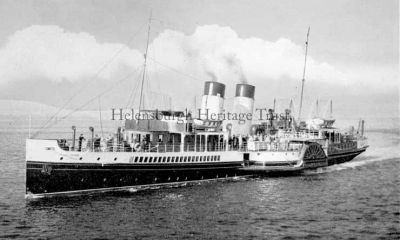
x,y
208,158
180,159
197,158
168,159
201,158
219,158
164,158
141,159
145,159
136,159
185,159
189,159
212,158
151,159
172,159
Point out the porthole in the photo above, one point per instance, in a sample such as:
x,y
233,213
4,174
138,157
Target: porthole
x,y
98,159
115,159
80,158
61,158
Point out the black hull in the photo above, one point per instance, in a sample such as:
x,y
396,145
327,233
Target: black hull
x,y
50,179
339,158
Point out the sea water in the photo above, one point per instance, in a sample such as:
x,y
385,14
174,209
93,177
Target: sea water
x,y
359,199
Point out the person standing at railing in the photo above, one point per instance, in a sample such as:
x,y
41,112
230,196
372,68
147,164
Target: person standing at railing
x,y
80,140
136,146
114,143
103,144
143,146
96,143
235,142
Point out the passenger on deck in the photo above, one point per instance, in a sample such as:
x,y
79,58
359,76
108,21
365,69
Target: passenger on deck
x,y
80,140
235,142
109,142
96,144
245,142
63,144
103,144
145,145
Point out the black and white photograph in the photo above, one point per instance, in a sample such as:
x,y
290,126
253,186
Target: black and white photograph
x,y
199,119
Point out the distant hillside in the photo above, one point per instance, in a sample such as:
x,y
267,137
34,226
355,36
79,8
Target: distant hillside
x,y
17,107
35,109
15,115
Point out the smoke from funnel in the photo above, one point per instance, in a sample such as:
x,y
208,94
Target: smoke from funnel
x,y
234,63
208,70
212,76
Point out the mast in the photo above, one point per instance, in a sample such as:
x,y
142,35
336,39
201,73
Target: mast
x,y
145,63
304,74
331,110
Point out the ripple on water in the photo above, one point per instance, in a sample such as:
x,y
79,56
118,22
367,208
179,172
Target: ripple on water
x,y
358,200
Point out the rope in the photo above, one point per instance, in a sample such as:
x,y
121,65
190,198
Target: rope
x,y
174,70
92,99
133,92
45,125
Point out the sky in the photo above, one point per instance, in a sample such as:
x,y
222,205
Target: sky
x,y
89,54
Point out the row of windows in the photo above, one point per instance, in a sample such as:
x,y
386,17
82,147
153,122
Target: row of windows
x,y
177,159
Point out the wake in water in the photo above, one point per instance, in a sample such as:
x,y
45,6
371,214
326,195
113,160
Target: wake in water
x,y
356,163
383,147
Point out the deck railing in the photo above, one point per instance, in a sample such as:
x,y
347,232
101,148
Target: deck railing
x,y
124,147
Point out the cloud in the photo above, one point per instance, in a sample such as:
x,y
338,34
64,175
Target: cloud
x,y
211,52
218,51
49,52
